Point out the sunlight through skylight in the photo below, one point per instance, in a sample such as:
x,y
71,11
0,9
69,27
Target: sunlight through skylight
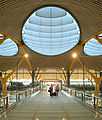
x,y
93,48
50,31
8,48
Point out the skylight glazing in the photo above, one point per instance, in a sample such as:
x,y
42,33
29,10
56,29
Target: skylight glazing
x,y
93,48
50,31
8,48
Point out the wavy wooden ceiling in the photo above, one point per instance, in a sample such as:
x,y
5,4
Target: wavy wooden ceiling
x,y
88,13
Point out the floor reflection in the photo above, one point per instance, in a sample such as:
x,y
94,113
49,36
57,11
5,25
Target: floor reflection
x,y
97,115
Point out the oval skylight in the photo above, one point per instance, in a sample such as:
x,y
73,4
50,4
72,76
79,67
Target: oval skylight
x,y
93,48
8,48
50,31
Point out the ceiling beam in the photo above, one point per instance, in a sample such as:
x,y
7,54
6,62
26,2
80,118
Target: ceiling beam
x,y
20,46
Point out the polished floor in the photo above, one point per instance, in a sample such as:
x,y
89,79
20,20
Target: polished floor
x,y
44,107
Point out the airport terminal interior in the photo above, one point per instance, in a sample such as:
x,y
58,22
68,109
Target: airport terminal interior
x,y
50,59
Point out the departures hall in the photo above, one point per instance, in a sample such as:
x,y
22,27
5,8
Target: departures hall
x,y
50,59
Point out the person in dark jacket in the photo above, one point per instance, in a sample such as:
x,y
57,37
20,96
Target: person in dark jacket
x,y
57,90
51,90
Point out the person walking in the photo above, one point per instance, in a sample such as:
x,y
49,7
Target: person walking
x,y
51,90
57,90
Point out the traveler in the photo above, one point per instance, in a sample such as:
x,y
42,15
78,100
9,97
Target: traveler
x,y
51,90
57,90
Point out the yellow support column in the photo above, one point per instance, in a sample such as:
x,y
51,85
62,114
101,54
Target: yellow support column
x,y
97,81
4,80
64,75
5,89
96,89
97,93
72,72
20,46
61,76
73,61
36,76
27,59
39,77
89,79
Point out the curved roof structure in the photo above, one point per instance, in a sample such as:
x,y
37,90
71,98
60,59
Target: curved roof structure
x,y
87,13
51,31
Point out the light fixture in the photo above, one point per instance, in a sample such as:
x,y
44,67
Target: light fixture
x,y
74,55
62,68
37,68
26,55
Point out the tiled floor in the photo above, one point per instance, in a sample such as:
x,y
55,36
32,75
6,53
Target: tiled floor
x,y
44,107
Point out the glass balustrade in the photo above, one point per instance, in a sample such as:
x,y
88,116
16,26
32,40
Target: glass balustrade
x,y
11,100
93,101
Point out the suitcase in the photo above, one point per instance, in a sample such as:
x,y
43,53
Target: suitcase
x,y
54,94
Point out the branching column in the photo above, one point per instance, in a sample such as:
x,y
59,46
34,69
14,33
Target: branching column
x,y
101,83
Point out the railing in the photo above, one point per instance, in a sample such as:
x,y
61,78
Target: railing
x,y
11,100
95,102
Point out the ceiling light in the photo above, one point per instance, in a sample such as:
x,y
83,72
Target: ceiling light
x,y
62,68
26,55
37,119
74,55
